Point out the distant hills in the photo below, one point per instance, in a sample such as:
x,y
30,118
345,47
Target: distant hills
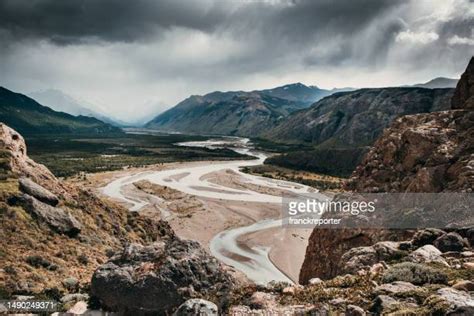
x,y
437,83
31,118
339,126
358,117
237,112
342,127
59,101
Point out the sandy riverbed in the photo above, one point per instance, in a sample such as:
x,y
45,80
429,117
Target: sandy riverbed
x,y
202,215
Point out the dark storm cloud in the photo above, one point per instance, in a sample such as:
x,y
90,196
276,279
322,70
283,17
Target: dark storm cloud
x,y
125,51
108,20
118,20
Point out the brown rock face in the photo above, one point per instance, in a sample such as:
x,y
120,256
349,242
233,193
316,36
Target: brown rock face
x,y
431,152
425,153
421,153
464,95
326,247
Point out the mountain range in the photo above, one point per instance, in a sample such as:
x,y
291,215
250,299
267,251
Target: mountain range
x,y
341,127
356,118
31,118
237,112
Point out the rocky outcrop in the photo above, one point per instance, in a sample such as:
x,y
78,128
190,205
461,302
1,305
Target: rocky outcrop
x,y
53,235
16,161
326,247
456,302
159,277
463,97
426,152
421,153
57,218
418,153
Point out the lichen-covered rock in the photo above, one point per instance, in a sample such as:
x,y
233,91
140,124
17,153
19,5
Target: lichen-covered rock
x,y
159,277
20,164
427,254
396,287
458,301
326,247
196,307
359,258
354,310
57,218
383,304
364,258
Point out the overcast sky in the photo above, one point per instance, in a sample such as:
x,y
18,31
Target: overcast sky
x,y
136,58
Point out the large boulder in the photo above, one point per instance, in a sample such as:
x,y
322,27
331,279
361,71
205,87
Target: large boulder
x,y
159,277
426,236
427,254
457,302
450,242
37,191
365,257
397,287
358,258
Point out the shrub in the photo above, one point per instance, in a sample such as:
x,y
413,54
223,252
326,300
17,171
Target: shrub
x,y
414,273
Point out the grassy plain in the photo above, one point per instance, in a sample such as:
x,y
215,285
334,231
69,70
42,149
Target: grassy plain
x,y
68,155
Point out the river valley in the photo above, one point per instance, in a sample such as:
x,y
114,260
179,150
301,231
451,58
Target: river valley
x,y
241,224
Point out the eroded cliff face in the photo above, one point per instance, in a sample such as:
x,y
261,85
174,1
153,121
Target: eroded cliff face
x,y
418,153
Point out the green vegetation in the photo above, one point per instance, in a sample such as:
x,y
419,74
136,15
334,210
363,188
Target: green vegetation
x,y
66,155
415,273
334,162
320,182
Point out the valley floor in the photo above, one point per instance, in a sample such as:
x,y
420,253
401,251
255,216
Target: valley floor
x,y
202,217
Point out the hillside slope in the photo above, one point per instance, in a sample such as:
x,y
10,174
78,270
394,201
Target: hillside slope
x,y
357,118
51,230
29,117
